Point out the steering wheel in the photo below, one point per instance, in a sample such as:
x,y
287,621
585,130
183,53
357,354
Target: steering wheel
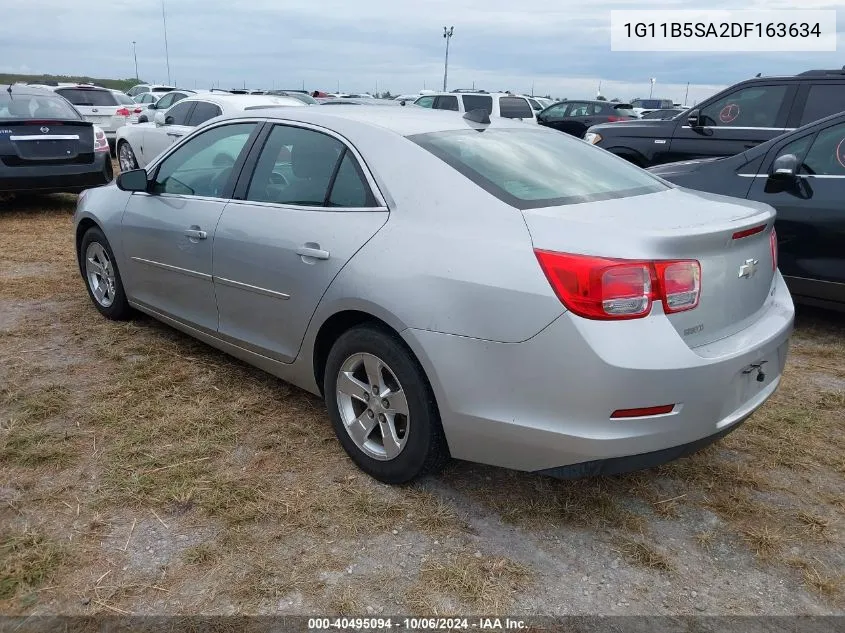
x,y
278,179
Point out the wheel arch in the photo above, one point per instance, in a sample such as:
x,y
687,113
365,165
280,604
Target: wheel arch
x,y
82,228
631,155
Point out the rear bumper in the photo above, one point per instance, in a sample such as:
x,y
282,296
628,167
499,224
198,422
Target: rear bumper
x,y
57,178
546,403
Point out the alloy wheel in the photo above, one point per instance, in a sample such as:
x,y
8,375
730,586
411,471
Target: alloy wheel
x,y
99,271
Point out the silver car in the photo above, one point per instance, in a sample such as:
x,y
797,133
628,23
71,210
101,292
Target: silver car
x,y
491,291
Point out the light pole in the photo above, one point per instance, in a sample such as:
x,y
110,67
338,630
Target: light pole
x,y
447,35
135,55
166,52
651,90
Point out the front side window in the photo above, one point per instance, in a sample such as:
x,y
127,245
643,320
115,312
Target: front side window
x,y
87,97
826,157
515,108
555,112
295,167
531,168
178,114
478,102
424,102
755,106
577,109
823,100
203,166
203,112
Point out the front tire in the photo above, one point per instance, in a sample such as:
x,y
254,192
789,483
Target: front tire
x,y
382,408
126,157
102,277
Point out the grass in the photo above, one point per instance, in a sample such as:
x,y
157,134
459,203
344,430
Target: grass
x,y
644,554
27,560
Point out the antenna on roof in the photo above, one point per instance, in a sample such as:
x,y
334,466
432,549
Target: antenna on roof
x,y
479,115
758,74
9,89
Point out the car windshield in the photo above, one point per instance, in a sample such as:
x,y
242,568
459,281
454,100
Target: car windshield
x,y
88,97
537,168
29,106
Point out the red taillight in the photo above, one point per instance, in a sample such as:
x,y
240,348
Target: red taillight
x,y
605,289
101,143
749,232
773,244
138,110
643,411
614,119
122,112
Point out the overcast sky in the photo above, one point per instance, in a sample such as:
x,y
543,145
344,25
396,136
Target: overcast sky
x,y
561,47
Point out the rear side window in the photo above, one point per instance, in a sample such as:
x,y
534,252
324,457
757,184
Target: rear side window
x,y
515,108
531,168
349,189
446,102
755,106
86,97
20,106
823,100
478,102
203,112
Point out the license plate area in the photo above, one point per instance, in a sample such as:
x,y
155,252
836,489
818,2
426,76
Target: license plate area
x,y
754,377
47,149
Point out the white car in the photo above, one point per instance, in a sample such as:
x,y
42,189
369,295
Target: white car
x,y
164,102
501,104
138,145
107,109
159,89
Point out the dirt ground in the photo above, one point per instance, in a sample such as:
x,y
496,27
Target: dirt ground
x,y
143,472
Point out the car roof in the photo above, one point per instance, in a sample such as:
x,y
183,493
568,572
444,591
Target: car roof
x,y
479,93
405,121
241,102
28,89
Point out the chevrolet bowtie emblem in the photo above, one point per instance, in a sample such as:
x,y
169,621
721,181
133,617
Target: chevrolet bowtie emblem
x,y
748,269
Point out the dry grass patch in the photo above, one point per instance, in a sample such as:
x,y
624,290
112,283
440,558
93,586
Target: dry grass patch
x,y
764,541
485,584
27,559
644,554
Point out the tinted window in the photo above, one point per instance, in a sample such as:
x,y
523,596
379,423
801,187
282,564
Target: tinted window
x,y
755,106
578,109
478,102
425,102
160,89
295,167
798,147
123,98
447,102
18,106
515,108
529,168
557,111
826,157
349,188
651,104
85,97
203,166
622,110
178,114
203,112
823,100
166,101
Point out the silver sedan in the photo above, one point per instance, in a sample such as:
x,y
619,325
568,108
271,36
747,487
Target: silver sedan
x,y
490,291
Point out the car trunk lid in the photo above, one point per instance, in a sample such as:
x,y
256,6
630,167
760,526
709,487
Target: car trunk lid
x,y
29,142
729,238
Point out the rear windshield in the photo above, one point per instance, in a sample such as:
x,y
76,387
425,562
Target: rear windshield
x,y
24,106
529,168
624,110
163,89
123,98
87,97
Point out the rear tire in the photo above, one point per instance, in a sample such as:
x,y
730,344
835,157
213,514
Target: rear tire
x,y
102,277
382,407
126,157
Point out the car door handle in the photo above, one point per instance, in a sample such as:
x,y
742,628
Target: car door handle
x,y
174,134
196,234
312,251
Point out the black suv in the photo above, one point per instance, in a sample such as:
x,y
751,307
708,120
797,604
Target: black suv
x,y
736,119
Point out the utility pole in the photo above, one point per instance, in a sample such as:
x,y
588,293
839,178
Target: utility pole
x,y
651,89
447,35
166,51
135,55
686,96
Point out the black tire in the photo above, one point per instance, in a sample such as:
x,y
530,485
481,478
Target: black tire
x,y
119,308
124,146
425,451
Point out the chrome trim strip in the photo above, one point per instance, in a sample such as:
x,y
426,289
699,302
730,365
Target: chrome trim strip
x,y
250,288
175,269
731,127
44,137
825,176
297,207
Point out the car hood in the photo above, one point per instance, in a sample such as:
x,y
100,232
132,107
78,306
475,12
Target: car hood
x,y
636,127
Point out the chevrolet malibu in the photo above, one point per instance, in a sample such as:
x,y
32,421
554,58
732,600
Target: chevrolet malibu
x,y
491,291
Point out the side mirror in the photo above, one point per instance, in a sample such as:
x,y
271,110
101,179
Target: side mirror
x,y
402,102
135,180
168,120
785,167
151,106
694,119
540,118
159,118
